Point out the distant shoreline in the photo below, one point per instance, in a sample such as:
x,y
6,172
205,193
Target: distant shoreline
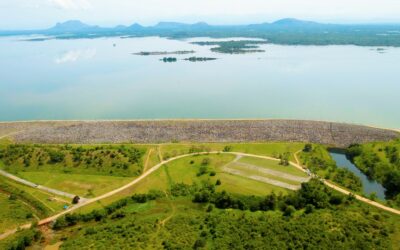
x,y
284,31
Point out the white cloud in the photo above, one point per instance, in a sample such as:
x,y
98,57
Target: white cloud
x,y
71,4
75,55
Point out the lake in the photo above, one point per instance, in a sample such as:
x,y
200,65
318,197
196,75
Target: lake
x,y
369,186
93,79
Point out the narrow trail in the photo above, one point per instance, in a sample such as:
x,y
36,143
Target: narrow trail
x,y
296,158
173,208
156,167
147,160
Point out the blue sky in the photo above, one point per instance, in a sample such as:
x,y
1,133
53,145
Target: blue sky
x,y
18,14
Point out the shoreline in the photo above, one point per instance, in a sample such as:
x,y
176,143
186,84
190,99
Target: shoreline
x,y
193,130
196,119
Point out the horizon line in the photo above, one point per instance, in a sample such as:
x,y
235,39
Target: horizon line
x,y
210,23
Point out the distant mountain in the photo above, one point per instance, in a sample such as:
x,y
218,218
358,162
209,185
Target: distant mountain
x,y
72,26
294,22
288,31
136,26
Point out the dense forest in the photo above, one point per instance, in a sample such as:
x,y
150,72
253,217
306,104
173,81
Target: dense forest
x,y
198,217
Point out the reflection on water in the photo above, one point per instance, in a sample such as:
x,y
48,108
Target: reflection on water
x,y
93,79
369,186
75,55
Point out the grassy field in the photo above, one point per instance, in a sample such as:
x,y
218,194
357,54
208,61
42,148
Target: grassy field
x,y
186,171
273,165
52,202
114,160
83,185
251,172
14,213
273,149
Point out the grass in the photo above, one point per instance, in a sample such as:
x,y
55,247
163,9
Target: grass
x,y
185,170
115,160
273,165
52,202
250,172
242,185
79,184
14,213
273,149
188,220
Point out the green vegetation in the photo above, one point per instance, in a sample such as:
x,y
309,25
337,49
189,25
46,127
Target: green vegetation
x,y
158,53
43,203
82,185
14,190
273,165
234,47
273,149
23,239
193,216
381,162
197,169
169,59
319,161
120,160
14,212
200,59
192,202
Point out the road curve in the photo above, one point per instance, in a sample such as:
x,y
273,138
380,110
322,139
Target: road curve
x,y
33,185
153,169
156,167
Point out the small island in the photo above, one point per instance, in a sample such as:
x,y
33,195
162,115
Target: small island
x,y
199,59
234,47
169,59
158,53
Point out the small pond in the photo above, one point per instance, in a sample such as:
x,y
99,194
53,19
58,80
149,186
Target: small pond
x,y
369,186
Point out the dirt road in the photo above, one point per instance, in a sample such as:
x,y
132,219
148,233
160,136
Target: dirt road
x,y
153,169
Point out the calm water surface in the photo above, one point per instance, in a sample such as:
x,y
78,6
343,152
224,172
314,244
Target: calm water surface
x,y
92,79
369,186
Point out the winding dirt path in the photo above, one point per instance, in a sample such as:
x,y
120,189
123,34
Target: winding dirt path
x,y
156,167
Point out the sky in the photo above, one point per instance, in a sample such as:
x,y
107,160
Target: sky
x,y
29,14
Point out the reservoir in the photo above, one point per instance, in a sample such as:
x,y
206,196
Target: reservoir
x,y
102,79
369,186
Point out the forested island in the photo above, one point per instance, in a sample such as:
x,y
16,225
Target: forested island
x,y
169,59
234,47
200,59
190,59
158,53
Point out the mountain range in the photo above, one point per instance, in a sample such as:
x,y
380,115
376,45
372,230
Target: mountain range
x,y
284,31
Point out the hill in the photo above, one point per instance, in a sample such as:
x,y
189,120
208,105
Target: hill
x,y
288,31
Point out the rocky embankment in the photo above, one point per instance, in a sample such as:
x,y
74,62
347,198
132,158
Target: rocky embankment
x,y
337,134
